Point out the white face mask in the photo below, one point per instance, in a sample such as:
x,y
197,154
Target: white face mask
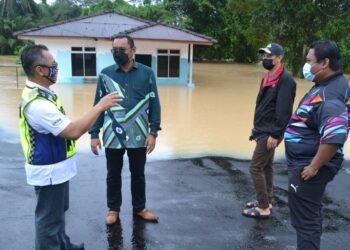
x,y
307,72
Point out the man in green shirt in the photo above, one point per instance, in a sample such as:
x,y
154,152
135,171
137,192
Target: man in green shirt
x,y
132,127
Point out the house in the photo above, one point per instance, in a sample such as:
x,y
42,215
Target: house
x,y
82,46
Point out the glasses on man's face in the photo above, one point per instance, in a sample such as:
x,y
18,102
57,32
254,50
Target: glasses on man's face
x,y
53,65
117,49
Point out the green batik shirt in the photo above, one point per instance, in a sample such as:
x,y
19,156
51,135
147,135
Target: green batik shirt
x,y
127,125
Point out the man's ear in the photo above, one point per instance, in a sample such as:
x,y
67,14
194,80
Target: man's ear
x,y
326,63
38,70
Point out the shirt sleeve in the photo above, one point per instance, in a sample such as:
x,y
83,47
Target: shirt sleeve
x,y
333,122
154,108
284,106
100,92
45,118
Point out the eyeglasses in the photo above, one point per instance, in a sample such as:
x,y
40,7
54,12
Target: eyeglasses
x,y
54,65
117,49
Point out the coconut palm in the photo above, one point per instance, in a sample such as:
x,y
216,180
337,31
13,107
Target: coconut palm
x,y
14,8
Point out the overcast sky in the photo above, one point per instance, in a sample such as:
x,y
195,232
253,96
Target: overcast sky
x,y
48,1
51,1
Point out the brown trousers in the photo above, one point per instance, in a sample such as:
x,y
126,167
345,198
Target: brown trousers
x,y
261,170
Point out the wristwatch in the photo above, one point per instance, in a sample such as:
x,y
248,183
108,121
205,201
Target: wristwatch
x,y
155,134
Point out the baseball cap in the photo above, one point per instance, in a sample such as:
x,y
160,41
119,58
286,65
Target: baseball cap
x,y
272,48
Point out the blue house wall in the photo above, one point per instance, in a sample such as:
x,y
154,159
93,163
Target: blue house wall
x,y
105,59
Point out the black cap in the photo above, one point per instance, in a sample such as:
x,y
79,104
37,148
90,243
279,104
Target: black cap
x,y
273,49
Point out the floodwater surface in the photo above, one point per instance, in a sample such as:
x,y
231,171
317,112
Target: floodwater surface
x,y
213,118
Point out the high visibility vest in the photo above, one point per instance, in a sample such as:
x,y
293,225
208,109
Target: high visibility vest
x,y
38,148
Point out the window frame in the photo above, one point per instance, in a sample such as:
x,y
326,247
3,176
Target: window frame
x,y
168,54
83,51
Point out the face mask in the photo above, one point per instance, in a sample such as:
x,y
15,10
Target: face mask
x,y
267,64
52,76
307,72
121,58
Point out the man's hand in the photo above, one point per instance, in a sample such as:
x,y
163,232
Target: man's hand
x,y
109,101
150,143
308,172
95,144
271,143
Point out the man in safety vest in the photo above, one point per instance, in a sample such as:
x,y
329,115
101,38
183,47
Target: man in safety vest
x,y
47,138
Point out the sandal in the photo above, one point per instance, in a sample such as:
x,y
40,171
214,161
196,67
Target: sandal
x,y
252,204
254,213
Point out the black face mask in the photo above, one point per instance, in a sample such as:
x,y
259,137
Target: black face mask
x,y
121,58
267,64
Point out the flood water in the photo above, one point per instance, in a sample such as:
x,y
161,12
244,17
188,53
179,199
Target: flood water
x,y
213,118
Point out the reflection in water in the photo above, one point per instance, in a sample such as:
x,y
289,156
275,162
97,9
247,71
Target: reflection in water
x,y
214,118
138,241
115,236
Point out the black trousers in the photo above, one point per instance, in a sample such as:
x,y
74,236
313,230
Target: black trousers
x,y
137,161
52,203
304,199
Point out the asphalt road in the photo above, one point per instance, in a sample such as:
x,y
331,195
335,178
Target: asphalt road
x,y
199,202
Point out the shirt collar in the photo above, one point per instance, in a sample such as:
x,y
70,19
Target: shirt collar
x,y
327,80
135,65
35,85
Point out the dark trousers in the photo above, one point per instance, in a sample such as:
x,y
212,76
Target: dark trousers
x,y
52,203
261,170
304,200
137,161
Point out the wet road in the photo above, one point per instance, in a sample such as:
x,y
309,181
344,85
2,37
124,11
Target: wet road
x,y
199,202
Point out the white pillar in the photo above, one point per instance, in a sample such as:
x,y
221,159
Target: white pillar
x,y
190,83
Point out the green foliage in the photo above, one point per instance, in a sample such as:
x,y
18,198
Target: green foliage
x,y
296,24
8,42
239,26
14,8
59,11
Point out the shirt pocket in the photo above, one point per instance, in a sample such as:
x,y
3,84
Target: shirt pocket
x,y
141,89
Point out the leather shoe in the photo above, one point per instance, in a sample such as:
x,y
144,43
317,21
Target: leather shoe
x,y
112,217
147,215
77,247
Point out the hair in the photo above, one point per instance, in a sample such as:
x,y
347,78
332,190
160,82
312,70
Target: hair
x,y
32,56
328,49
129,38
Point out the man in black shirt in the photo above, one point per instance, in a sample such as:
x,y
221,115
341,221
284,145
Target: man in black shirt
x,y
273,109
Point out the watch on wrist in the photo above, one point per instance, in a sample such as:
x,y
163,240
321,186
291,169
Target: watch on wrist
x,y
155,134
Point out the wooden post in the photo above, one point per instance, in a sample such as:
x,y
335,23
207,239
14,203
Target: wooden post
x,y
17,75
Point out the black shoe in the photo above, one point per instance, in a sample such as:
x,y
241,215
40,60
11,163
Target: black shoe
x,y
77,247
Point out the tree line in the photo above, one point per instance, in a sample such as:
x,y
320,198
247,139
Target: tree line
x,y
239,26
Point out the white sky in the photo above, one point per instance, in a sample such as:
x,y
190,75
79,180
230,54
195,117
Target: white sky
x,y
51,1
48,1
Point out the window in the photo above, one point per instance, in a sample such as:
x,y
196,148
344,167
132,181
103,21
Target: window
x,y
83,61
144,59
168,63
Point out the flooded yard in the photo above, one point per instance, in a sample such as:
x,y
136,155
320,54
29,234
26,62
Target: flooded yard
x,y
213,118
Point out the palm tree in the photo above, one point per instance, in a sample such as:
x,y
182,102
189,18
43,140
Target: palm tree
x,y
13,8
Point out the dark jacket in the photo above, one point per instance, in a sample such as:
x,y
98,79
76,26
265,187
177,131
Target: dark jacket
x,y
274,106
